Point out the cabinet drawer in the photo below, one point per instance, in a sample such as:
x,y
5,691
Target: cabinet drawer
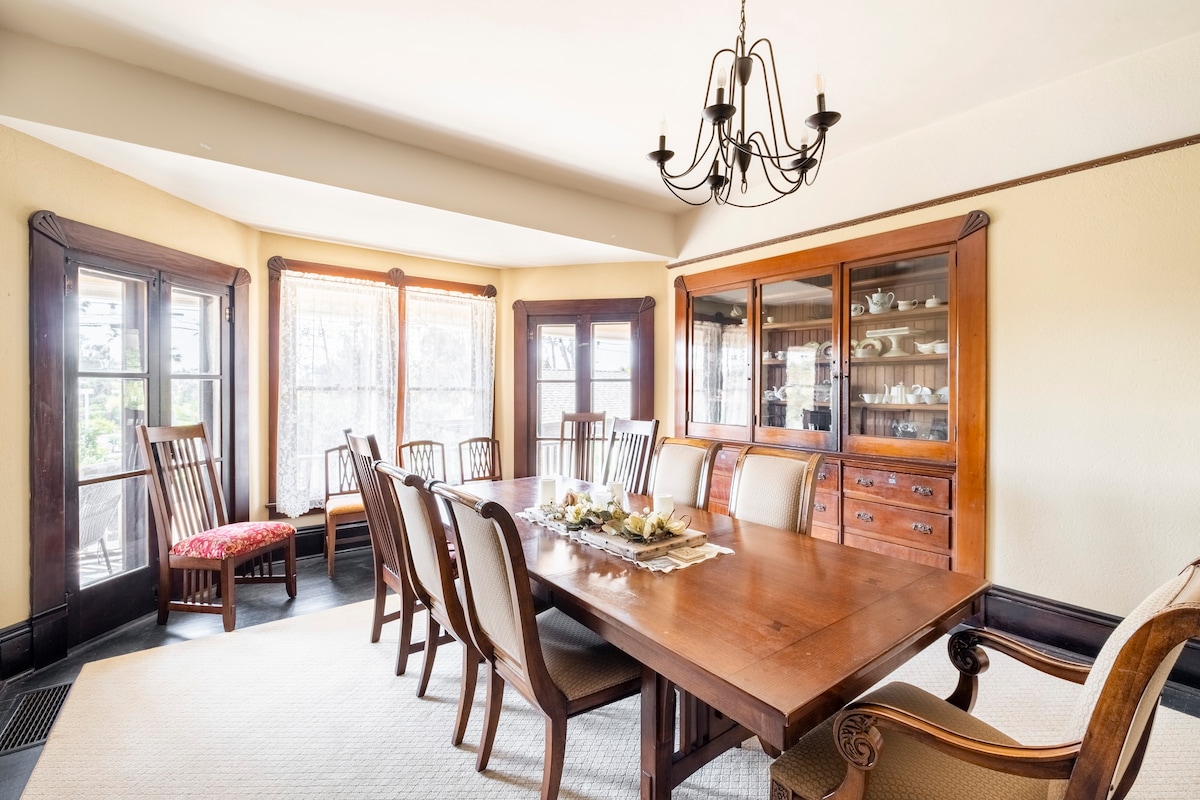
x,y
897,550
828,476
907,525
826,533
825,508
897,487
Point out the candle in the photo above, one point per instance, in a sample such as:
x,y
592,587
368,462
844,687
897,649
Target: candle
x,y
664,504
547,489
616,490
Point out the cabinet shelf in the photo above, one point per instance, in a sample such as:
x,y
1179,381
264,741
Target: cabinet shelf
x,y
920,312
798,325
943,407
919,358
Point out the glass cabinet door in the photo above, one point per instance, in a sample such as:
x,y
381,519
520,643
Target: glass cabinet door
x,y
720,366
798,383
900,349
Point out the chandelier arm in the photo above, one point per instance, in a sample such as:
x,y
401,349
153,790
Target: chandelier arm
x,y
700,156
774,78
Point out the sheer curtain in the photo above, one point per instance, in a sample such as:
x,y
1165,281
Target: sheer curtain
x,y
338,357
450,368
720,392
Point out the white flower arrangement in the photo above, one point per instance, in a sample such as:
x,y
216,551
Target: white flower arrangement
x,y
649,526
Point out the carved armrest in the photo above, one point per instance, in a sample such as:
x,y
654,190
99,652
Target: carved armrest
x,y
857,734
970,660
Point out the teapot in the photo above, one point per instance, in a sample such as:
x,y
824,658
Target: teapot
x,y
881,301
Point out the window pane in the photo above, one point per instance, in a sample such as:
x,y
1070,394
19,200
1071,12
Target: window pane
x,y
198,400
195,333
556,353
554,399
615,398
612,352
112,321
109,411
112,528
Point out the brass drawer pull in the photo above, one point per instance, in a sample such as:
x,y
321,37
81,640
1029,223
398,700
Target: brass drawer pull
x,y
864,481
819,507
924,491
821,476
921,527
864,516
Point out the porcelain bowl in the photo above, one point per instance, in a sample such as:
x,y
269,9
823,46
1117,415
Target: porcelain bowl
x,y
928,347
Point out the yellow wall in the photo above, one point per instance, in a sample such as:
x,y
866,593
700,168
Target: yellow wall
x,y
1093,476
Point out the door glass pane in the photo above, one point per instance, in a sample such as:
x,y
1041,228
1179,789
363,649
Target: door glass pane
x,y
614,398
553,400
195,333
198,400
112,528
612,351
720,360
900,360
797,338
112,321
556,353
110,409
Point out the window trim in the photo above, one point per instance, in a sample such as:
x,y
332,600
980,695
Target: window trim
x,y
276,265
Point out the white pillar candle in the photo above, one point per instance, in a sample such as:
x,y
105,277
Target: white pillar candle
x,y
617,490
664,504
547,490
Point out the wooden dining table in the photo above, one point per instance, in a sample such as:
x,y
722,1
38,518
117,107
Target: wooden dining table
x,y
768,640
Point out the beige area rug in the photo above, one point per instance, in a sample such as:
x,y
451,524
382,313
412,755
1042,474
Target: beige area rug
x,y
309,708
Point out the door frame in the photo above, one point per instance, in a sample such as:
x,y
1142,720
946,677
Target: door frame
x,y
54,241
640,310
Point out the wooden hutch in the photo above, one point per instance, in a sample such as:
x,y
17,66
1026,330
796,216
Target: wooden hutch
x,y
871,351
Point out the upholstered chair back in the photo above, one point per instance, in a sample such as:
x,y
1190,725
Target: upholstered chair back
x,y
683,469
775,487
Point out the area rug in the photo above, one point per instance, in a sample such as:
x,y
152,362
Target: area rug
x,y
309,708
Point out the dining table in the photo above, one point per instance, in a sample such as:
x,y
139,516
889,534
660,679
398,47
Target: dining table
x,y
766,641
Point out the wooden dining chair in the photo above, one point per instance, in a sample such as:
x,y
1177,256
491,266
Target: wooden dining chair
x,y
630,448
479,459
581,445
386,550
683,469
431,571
775,487
195,538
560,667
901,741
425,457
343,502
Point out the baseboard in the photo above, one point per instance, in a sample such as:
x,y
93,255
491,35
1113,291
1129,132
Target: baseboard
x,y
1081,632
310,540
16,650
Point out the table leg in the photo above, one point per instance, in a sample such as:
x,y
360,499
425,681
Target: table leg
x,y
658,735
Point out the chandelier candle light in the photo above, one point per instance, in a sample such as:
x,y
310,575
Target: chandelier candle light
x,y
785,167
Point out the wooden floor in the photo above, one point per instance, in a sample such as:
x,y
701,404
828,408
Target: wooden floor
x,y
256,605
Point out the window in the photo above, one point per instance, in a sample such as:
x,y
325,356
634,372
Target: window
x,y
331,369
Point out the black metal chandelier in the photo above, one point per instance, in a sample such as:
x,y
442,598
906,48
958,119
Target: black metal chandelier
x,y
730,148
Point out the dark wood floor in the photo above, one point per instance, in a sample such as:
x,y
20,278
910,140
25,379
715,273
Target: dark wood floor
x,y
256,605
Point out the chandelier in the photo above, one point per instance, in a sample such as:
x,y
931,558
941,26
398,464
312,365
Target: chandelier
x,y
730,153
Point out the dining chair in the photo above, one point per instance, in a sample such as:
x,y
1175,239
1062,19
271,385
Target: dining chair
x,y
901,741
683,469
479,459
386,550
343,502
425,457
581,444
560,667
195,538
431,571
630,448
775,487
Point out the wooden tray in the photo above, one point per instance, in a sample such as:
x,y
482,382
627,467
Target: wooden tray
x,y
641,551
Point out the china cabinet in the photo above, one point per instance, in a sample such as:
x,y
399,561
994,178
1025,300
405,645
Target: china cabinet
x,y
872,351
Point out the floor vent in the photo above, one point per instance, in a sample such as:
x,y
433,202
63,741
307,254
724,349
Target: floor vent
x,y
35,714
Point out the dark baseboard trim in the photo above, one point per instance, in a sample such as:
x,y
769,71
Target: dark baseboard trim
x,y
310,540
16,650
1080,633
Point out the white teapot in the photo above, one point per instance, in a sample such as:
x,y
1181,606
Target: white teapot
x,y
880,301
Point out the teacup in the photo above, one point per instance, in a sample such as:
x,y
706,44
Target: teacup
x,y
941,347
781,354
871,398
942,398
857,309
906,305
912,399
929,399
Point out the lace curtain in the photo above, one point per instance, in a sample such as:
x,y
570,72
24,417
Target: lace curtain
x,y
338,356
450,369
720,373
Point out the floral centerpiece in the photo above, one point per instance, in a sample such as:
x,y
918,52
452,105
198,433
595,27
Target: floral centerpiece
x,y
649,526
578,511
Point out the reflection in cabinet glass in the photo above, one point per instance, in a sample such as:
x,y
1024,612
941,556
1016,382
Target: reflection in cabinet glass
x,y
721,358
900,353
798,359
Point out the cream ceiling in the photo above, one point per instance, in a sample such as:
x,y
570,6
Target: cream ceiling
x,y
514,133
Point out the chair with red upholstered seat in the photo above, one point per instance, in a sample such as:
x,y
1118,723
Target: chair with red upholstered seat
x,y
195,538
